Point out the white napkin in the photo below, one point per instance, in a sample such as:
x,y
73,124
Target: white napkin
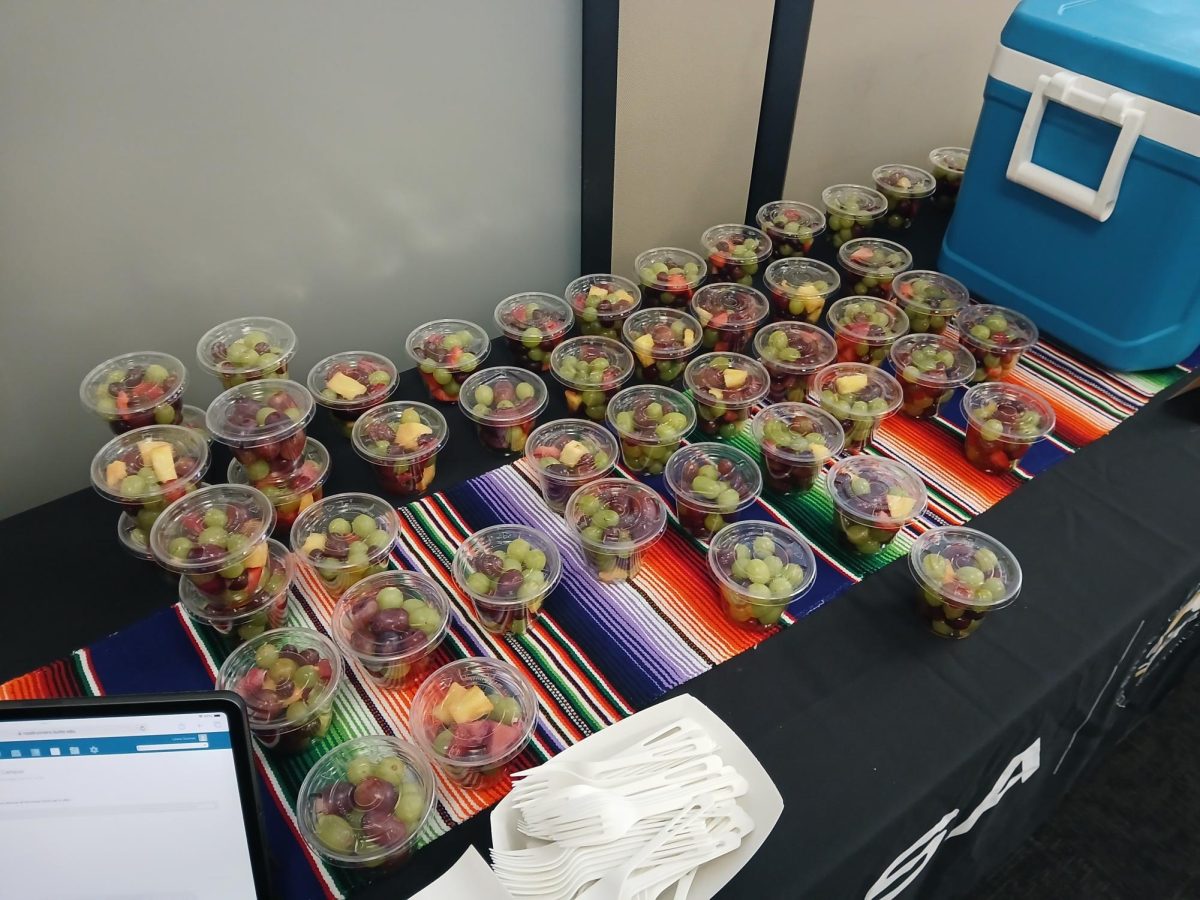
x,y
469,877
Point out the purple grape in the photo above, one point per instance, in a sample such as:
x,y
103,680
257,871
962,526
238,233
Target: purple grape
x,y
375,793
389,620
383,828
337,799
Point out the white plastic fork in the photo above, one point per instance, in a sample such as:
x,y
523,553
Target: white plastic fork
x,y
686,772
729,826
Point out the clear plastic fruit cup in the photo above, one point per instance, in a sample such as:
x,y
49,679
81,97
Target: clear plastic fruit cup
x,y
662,341
906,189
289,492
247,349
534,323
193,417
998,337
930,299
391,624
134,390
344,538
365,802
800,287
791,226
961,575
761,568
568,453
349,383
147,469
712,485
870,264
948,165
729,315
401,441
735,252
1003,422
289,678
504,402
929,368
725,386
792,352
859,397
602,303
616,521
852,211
651,422
669,275
866,328
507,571
796,439
446,352
263,422
217,538
243,615
591,371
874,498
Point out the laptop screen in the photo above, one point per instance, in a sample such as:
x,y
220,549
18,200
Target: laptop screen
x,y
122,806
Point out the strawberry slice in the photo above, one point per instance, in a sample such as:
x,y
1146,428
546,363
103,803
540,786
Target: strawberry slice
x,y
253,577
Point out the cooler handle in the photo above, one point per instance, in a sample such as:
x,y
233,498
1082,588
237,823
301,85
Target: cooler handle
x,y
1117,107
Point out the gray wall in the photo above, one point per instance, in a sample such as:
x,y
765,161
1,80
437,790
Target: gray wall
x,y
354,168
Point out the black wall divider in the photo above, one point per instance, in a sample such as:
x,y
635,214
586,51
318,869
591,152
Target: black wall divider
x,y
599,134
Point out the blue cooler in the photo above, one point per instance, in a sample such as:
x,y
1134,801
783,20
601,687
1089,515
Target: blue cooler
x,y
1081,202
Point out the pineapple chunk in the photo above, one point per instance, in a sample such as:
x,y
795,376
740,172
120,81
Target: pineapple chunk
x,y
345,386
162,460
408,433
689,336
471,705
258,558
313,542
735,378
306,501
620,296
704,316
819,451
851,384
572,453
114,473
443,712
598,292
147,447
644,348
900,506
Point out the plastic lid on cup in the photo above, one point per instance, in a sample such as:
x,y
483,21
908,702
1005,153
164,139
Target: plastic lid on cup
x,y
841,387
965,567
483,385
643,520
399,432
346,510
1004,411
696,456
930,292
809,220
905,181
711,379
801,276
996,327
571,363
355,606
496,539
854,201
660,260
236,418
200,606
451,344
883,492
786,544
183,541
578,290
551,316
952,159
193,418
213,348
365,365
715,306
132,383
723,240
801,424
873,257
281,488
867,320
630,413
646,321
932,359
151,463
546,443
817,348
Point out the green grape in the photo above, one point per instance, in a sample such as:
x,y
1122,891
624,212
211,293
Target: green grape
x,y
179,547
390,598
216,537
335,833
215,518
479,583
441,743
297,712
518,549
524,390
266,656
134,486
359,770
256,471
282,669
164,414
236,543
306,677
535,560
338,526
409,806
391,769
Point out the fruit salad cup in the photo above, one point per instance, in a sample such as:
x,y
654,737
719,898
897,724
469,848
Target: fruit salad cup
x,y
870,265
997,336
725,386
800,287
134,390
791,226
662,341
929,368
365,802
651,422
591,371
217,538
263,422
729,315
669,275
193,417
866,328
602,303
712,484
534,324
616,522
735,252
504,403
289,492
401,441
348,384
446,352
344,538
948,165
761,568
244,615
247,349
906,188
874,498
796,439
473,717
288,678
1003,422
568,453
792,352
961,575
852,211
930,299
507,571
391,624
859,397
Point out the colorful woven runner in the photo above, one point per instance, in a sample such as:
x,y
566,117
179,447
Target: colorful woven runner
x,y
598,653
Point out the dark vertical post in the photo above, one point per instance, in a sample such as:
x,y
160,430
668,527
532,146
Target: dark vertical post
x,y
599,137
